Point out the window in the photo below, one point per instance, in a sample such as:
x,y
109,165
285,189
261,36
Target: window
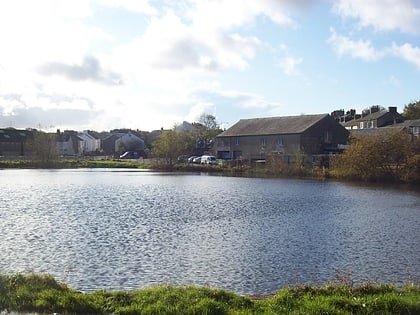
x,y
280,141
263,141
236,141
327,137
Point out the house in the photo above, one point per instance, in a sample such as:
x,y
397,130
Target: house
x,y
129,142
381,118
255,139
118,142
68,143
89,143
413,126
14,142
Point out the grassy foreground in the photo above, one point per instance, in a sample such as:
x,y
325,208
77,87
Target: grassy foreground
x,y
43,294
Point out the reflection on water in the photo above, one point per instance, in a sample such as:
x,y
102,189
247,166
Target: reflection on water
x,y
105,229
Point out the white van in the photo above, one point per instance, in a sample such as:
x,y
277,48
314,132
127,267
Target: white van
x,y
208,159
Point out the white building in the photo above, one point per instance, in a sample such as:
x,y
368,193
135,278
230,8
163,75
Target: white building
x,y
88,143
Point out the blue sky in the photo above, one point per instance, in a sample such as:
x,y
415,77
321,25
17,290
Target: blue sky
x,y
147,64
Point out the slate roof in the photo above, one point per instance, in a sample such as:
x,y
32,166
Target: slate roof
x,y
14,135
272,125
410,123
373,116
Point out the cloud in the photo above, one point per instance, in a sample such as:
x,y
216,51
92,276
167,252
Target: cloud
x,y
90,69
179,48
385,15
139,6
364,49
203,35
361,49
169,43
36,117
289,65
199,109
408,53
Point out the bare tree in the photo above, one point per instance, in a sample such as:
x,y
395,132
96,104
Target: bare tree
x,y
42,147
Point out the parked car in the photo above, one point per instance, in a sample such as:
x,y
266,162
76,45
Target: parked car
x,y
130,155
197,160
191,158
208,159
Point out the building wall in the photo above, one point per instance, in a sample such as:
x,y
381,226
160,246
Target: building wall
x,y
256,147
88,143
12,148
66,148
323,136
14,142
129,142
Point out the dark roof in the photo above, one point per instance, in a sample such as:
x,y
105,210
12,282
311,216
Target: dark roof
x,y
410,123
370,117
14,135
272,125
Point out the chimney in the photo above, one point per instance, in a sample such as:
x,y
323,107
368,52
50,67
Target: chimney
x,y
392,109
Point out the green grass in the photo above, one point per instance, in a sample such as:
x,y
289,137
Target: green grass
x,y
43,294
70,163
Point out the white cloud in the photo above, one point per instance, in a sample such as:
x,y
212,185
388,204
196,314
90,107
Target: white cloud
x,y
408,53
289,65
50,62
199,109
139,6
364,49
228,14
172,65
384,15
357,49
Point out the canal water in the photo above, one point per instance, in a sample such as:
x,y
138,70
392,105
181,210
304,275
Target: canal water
x,y
129,229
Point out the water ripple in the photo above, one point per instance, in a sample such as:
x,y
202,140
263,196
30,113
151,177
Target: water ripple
x,y
103,229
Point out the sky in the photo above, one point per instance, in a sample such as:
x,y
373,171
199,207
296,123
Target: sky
x,y
151,64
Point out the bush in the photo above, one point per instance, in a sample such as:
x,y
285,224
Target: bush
x,y
383,155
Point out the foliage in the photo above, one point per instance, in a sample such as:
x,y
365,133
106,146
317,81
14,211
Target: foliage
x,y
42,147
170,144
206,129
381,155
42,294
412,110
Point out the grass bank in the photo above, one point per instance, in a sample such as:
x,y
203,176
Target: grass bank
x,y
43,294
73,163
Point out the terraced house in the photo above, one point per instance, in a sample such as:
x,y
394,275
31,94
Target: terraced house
x,y
257,138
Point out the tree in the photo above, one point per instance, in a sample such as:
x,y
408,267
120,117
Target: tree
x,y
412,110
171,144
206,129
43,148
383,154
